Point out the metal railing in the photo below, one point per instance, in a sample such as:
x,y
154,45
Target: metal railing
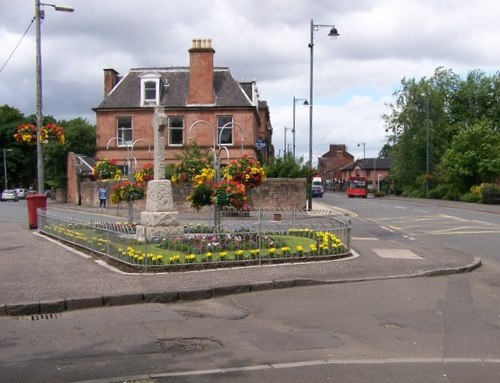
x,y
253,237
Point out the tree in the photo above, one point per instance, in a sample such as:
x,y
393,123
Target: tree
x,y
20,170
80,138
21,161
288,167
473,158
424,120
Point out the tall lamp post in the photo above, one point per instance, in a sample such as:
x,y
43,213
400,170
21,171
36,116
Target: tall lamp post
x,y
39,15
364,151
333,33
5,166
284,143
295,101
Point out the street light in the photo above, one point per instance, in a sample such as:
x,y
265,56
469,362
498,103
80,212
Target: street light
x,y
39,15
333,33
284,143
364,152
295,100
5,166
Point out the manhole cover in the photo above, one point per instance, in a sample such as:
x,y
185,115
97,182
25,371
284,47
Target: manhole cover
x,y
189,345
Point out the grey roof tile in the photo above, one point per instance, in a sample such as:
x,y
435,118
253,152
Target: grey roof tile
x,y
229,92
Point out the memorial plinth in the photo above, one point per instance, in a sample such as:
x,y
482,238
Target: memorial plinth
x,y
159,219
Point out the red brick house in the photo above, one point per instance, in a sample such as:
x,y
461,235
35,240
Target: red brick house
x,y
375,170
203,104
330,163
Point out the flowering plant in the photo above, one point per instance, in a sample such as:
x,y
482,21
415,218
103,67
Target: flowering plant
x,y
107,169
26,133
230,193
145,174
246,171
126,191
201,195
191,165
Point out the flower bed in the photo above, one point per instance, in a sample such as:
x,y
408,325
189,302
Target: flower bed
x,y
198,250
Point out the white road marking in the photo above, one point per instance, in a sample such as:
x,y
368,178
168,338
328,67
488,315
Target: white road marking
x,y
323,362
396,254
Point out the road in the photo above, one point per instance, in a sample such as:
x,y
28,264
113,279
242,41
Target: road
x,y
441,329
426,221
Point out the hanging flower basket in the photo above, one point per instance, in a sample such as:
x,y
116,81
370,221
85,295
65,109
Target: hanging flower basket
x,y
107,170
246,171
145,174
26,134
126,191
230,193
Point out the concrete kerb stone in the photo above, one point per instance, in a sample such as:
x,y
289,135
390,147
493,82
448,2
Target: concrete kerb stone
x,y
123,299
20,309
49,307
84,303
161,297
195,294
230,290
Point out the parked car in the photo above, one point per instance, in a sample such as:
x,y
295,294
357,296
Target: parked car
x,y
317,191
317,187
9,195
22,193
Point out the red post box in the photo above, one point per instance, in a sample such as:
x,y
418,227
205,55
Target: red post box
x,y
34,202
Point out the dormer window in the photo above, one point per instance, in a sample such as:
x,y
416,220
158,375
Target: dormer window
x,y
150,89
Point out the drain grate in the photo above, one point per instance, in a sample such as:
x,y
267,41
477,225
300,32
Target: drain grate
x,y
37,317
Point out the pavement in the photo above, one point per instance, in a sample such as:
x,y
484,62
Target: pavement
x,y
41,276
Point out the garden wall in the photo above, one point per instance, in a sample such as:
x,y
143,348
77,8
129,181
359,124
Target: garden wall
x,y
273,193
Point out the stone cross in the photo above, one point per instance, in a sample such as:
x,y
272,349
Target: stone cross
x,y
160,121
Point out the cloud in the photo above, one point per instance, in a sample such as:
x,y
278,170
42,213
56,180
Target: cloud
x,y
381,41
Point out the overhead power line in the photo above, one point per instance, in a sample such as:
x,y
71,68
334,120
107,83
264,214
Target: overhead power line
x,y
17,45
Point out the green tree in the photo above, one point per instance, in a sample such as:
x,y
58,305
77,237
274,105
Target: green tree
x,y
473,158
425,118
288,167
20,169
79,138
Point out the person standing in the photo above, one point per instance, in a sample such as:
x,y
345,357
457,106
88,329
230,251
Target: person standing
x,y
102,194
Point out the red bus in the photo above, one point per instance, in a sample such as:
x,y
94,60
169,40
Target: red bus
x,y
357,187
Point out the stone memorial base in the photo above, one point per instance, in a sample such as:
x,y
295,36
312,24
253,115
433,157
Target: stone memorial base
x,y
159,219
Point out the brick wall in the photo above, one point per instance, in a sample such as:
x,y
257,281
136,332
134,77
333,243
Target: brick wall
x,y
273,193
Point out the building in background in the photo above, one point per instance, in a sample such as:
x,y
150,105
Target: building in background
x,y
374,170
199,101
331,163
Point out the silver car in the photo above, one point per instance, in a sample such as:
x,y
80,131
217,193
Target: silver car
x,y
21,193
9,195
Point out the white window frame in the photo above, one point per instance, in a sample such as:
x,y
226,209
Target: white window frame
x,y
147,79
224,120
171,128
122,130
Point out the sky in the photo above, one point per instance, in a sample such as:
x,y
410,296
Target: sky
x,y
355,75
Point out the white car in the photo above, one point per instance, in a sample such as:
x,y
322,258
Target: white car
x,y
9,195
21,193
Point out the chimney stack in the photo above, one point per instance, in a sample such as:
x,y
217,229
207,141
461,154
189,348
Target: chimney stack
x,y
110,80
201,72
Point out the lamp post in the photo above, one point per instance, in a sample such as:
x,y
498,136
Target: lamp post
x,y
333,33
427,146
295,100
5,166
284,143
364,152
39,15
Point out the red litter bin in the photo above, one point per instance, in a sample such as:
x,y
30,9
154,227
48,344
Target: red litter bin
x,y
34,202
